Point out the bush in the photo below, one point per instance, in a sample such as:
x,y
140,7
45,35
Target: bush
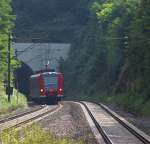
x,y
18,100
146,109
131,102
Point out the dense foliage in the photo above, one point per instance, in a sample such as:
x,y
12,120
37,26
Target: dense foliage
x,y
112,54
17,101
6,25
49,20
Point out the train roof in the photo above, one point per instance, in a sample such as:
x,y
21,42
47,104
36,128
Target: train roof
x,y
44,73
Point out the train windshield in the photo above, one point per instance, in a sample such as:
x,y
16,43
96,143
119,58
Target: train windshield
x,y
50,81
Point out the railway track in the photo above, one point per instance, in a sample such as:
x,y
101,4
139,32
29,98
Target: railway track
x,y
29,117
8,118
112,128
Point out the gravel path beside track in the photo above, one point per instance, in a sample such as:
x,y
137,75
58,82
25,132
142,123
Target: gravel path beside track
x,y
69,122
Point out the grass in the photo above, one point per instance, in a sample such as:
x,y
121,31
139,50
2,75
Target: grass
x,y
18,100
33,135
129,101
146,108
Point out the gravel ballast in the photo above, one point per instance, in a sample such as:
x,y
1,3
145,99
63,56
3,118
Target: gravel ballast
x,y
69,122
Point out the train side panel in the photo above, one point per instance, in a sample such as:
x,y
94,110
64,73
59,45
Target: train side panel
x,y
34,88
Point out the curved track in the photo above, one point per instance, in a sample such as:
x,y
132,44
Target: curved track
x,y
2,120
113,128
29,117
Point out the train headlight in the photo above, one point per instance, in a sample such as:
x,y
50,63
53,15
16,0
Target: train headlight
x,y
41,90
60,89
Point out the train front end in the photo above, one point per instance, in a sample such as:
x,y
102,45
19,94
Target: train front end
x,y
47,86
52,86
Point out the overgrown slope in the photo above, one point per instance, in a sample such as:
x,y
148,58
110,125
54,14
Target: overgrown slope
x,y
111,56
51,20
6,25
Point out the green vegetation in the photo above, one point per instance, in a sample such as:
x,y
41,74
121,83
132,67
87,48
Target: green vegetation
x,y
128,101
6,26
110,54
110,57
35,135
51,20
17,101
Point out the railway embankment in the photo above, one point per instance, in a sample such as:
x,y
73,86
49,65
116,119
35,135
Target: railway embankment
x,y
112,127
18,102
69,122
129,109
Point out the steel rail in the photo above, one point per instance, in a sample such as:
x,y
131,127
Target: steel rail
x,y
144,138
20,115
24,121
34,118
99,128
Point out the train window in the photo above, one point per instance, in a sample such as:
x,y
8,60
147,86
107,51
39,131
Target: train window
x,y
50,81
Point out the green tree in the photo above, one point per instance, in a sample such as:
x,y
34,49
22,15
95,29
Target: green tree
x,y
112,51
6,25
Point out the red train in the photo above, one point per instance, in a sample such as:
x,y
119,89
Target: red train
x,y
48,86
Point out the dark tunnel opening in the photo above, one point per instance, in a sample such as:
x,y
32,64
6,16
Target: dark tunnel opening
x,y
22,76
